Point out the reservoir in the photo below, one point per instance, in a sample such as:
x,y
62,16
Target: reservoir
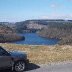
x,y
35,39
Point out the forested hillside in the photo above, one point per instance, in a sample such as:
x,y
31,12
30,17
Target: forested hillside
x,y
7,34
62,31
30,25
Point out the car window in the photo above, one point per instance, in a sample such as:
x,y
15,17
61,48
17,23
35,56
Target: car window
x,y
3,52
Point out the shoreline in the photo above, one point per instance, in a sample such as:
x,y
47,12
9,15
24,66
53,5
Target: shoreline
x,y
6,38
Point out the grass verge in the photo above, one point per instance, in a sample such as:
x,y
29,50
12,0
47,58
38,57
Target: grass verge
x,y
43,54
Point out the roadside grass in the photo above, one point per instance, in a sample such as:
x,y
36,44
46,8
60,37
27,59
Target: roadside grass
x,y
43,54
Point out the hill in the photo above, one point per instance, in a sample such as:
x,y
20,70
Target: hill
x,y
30,25
7,34
35,25
61,31
5,29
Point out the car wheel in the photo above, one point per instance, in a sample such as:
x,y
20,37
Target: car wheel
x,y
19,66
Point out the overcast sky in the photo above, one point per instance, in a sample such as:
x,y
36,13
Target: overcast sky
x,y
19,10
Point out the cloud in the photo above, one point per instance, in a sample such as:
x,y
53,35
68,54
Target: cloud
x,y
49,17
44,17
56,17
53,5
69,0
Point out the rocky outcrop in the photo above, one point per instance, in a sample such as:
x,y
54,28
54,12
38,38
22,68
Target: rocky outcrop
x,y
30,25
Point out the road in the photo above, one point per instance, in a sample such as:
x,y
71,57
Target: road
x,y
61,67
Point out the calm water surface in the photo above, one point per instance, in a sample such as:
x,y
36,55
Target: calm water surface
x,y
35,39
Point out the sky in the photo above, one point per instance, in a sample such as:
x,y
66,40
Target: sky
x,y
20,10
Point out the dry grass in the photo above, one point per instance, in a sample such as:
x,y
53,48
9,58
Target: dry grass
x,y
44,54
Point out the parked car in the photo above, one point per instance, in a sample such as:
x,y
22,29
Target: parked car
x,y
15,60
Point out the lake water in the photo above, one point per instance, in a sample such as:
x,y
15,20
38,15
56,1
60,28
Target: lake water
x,y
35,39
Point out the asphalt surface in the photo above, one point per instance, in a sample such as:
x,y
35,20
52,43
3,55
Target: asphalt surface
x,y
62,67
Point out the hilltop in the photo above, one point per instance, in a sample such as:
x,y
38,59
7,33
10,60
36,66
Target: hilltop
x,y
36,25
30,25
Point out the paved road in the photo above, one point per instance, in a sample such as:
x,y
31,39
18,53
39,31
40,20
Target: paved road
x,y
62,67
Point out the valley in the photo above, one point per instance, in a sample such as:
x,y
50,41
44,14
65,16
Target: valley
x,y
58,29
